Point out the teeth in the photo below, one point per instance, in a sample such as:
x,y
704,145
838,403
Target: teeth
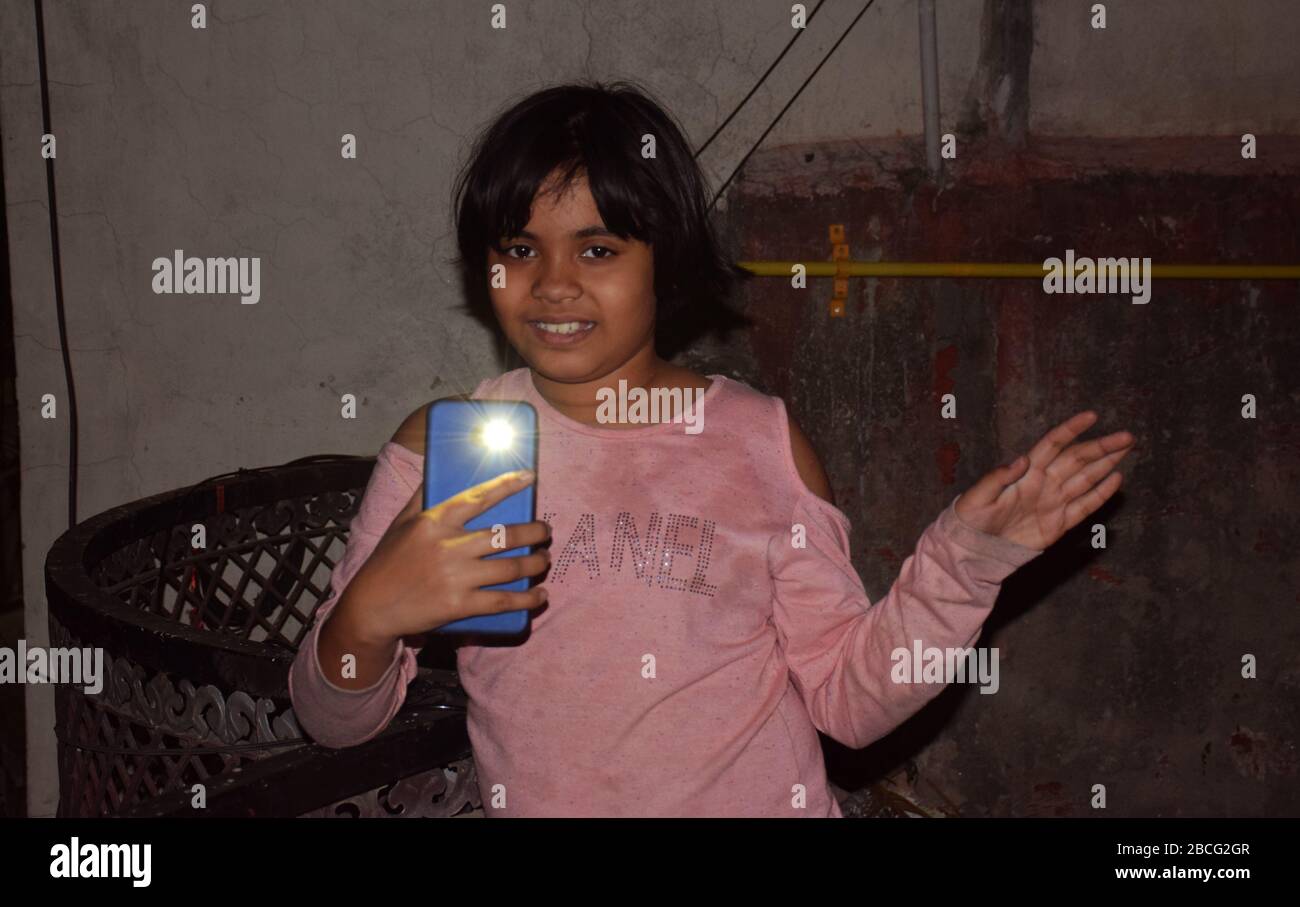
x,y
567,327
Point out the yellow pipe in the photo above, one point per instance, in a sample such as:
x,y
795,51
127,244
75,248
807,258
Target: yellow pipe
x,y
1008,269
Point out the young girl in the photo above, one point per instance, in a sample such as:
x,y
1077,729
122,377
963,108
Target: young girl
x,y
701,619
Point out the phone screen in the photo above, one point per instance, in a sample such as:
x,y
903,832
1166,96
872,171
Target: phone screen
x,y
469,442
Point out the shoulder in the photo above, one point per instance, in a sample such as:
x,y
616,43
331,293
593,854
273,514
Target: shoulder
x,y
686,378
756,405
410,434
808,463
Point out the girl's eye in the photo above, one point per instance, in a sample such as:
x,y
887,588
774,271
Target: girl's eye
x,y
510,251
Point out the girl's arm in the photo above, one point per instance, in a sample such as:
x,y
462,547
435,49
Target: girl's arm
x,y
335,716
840,647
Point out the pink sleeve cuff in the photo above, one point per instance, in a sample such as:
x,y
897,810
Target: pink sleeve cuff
x,y
982,543
315,666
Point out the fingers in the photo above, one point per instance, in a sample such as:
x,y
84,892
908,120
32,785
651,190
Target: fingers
x,y
494,601
1052,443
512,535
1079,509
1074,458
460,509
1093,473
497,570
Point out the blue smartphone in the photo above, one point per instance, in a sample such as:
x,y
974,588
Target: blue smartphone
x,y
469,442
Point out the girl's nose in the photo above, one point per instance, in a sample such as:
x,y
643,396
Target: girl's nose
x,y
556,281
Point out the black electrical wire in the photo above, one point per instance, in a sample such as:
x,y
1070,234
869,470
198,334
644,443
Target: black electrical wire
x,y
63,325
794,98
58,268
761,79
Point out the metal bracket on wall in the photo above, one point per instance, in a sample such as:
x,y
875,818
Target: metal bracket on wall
x,y
840,255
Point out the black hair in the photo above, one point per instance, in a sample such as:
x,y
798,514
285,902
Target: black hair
x,y
595,130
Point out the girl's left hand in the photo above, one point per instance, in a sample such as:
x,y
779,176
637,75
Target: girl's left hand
x,y
1035,500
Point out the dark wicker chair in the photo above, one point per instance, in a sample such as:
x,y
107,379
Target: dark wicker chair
x,y
198,645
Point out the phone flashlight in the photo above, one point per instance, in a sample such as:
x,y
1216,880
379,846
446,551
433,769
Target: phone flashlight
x,y
497,434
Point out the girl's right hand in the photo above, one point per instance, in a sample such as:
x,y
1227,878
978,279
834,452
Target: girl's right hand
x,y
426,570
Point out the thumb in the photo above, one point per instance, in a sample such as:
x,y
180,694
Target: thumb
x,y
1013,471
1004,476
989,488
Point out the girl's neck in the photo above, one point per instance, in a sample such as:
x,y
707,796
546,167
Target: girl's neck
x,y
579,401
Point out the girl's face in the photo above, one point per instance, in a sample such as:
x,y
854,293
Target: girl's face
x,y
565,266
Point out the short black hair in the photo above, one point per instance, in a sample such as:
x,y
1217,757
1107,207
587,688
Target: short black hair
x,y
595,130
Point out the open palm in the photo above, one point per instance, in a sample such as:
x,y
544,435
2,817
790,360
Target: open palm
x,y
1035,500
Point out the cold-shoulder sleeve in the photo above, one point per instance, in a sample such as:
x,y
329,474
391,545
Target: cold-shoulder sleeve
x,y
839,646
334,716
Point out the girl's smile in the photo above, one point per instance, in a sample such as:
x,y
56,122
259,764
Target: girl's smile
x,y
562,333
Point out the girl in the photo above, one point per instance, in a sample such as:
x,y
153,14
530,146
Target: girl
x,y
701,619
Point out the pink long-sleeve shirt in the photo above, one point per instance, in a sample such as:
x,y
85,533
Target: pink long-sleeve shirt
x,y
691,648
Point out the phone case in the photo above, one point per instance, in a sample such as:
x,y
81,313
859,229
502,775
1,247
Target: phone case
x,y
459,455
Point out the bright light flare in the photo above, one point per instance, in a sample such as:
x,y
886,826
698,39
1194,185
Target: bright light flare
x,y
498,434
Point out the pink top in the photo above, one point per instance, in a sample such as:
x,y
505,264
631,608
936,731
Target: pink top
x,y
689,651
